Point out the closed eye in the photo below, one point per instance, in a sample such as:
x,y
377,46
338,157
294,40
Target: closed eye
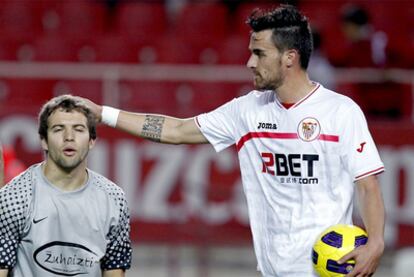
x,y
57,128
80,128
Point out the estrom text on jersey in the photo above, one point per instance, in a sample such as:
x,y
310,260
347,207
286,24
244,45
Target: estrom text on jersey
x,y
290,168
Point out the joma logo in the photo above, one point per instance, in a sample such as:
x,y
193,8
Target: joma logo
x,y
263,125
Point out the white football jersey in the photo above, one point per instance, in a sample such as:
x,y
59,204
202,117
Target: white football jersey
x,y
298,167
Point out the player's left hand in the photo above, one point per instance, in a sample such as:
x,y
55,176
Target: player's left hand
x,y
367,258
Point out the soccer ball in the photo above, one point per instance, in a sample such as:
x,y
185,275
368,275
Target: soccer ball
x,y
334,243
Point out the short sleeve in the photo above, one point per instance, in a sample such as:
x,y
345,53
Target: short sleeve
x,y
218,126
14,205
118,251
359,153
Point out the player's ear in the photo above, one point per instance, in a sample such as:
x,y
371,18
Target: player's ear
x,y
290,57
44,144
91,143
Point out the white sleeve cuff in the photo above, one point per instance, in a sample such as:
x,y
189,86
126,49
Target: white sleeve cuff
x,y
109,116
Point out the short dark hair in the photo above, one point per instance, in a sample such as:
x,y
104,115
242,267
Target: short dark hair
x,y
290,28
68,103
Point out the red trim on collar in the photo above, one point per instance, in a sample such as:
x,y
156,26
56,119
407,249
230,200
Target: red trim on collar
x,y
287,105
307,96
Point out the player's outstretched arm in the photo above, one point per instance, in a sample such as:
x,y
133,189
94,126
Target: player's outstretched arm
x,y
159,128
367,257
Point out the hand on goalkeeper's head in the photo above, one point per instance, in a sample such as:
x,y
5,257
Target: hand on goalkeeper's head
x,y
93,107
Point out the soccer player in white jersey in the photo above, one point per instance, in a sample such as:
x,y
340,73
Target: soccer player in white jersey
x,y
303,149
59,218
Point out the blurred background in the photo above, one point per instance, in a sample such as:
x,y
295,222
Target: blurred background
x,y
183,58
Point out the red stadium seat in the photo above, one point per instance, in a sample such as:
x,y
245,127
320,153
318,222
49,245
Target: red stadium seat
x,y
202,21
20,19
9,49
141,21
25,92
390,16
77,19
91,89
114,48
323,15
234,50
208,95
54,48
183,99
171,49
148,96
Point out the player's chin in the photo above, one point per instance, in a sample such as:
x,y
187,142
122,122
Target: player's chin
x,y
258,85
263,87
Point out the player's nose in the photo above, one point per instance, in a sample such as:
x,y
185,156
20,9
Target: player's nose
x,y
68,135
252,62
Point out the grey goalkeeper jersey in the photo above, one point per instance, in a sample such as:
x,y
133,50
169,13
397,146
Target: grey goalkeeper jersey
x,y
48,232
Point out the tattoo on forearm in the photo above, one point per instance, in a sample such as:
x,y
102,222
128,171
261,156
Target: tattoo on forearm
x,y
152,127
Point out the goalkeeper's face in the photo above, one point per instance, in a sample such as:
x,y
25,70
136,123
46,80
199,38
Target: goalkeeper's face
x,y
68,140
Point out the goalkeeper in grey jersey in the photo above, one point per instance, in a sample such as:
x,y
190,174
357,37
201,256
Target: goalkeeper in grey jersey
x,y
59,218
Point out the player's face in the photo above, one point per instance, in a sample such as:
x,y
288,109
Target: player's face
x,y
265,61
68,141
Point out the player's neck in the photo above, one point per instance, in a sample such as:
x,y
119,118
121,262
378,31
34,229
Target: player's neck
x,y
295,88
66,181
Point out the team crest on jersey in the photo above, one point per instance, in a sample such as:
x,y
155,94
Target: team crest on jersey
x,y
309,129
